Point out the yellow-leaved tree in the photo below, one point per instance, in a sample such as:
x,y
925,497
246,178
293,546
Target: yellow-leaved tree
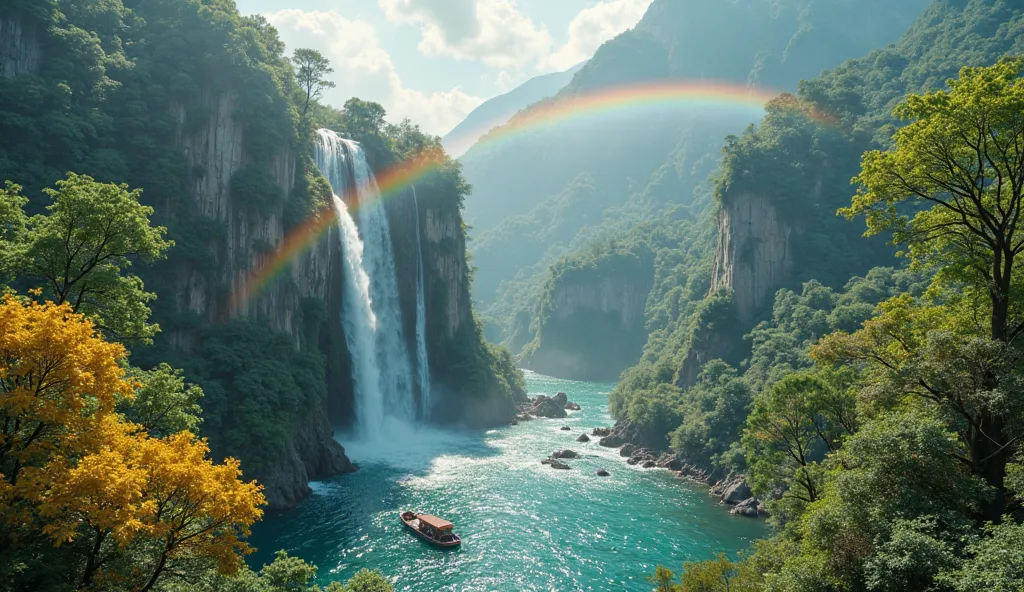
x,y
126,510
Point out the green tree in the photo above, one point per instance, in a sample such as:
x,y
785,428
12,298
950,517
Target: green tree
x,y
363,118
368,581
664,578
163,403
782,442
12,230
82,247
958,167
311,70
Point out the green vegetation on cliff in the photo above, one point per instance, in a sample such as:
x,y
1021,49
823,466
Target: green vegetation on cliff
x,y
882,425
547,192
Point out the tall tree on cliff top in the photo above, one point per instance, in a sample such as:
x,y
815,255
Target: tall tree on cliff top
x,y
959,165
311,69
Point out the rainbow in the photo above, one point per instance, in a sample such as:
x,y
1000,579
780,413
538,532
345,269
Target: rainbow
x,y
554,111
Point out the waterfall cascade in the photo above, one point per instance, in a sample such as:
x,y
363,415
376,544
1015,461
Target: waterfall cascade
x,y
372,318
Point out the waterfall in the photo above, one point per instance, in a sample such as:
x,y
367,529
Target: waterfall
x,y
371,315
422,364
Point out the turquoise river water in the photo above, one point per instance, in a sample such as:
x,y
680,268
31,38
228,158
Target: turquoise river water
x,y
524,526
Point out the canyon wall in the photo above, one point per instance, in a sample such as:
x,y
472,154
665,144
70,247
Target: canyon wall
x,y
592,323
215,153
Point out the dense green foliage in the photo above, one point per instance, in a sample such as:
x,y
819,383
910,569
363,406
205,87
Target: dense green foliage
x,y
887,451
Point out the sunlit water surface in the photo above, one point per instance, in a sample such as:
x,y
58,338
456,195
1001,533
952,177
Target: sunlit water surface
x,y
524,525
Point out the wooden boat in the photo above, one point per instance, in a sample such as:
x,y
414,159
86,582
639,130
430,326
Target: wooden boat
x,y
432,529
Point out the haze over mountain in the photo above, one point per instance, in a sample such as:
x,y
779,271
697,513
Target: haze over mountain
x,y
537,191
500,109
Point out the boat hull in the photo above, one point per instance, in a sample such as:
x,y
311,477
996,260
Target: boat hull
x,y
413,525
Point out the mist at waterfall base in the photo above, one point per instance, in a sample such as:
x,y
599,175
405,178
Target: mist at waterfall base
x,y
388,399
524,526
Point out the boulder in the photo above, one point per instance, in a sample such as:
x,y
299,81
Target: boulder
x,y
601,432
632,460
544,407
603,473
670,462
747,507
560,399
736,492
566,429
555,464
611,442
564,454
570,406
648,464
626,450
583,438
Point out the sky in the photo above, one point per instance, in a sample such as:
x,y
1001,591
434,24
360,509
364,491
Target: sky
x,y
434,61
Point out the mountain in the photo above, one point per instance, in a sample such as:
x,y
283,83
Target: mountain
x,y
498,110
771,231
527,208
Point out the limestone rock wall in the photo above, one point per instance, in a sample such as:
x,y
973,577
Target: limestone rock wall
x,y
21,49
215,151
754,258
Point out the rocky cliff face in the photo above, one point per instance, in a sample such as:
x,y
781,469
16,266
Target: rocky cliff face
x,y
753,259
215,152
20,48
594,325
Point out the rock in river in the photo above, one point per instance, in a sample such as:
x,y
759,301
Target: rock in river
x,y
748,507
555,464
601,432
603,473
570,406
583,438
626,450
566,429
565,454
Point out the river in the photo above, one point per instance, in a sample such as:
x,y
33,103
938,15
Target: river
x,y
525,526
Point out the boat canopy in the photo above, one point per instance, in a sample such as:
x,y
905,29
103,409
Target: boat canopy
x,y
434,521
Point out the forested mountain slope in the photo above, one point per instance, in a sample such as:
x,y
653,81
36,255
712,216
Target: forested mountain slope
x,y
198,107
559,185
880,422
776,195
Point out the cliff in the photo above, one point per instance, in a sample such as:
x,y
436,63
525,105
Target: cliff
x,y
216,153
753,258
20,49
592,321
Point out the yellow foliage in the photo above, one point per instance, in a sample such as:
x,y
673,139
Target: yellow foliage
x,y
72,467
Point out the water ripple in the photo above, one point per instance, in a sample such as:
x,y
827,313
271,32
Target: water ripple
x,y
525,526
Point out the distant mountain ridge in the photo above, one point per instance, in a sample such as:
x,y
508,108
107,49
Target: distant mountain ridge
x,y
538,192
498,110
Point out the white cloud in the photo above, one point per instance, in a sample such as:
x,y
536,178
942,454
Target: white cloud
x,y
592,27
364,69
491,31
504,81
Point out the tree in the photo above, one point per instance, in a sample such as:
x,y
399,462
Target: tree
x,y
162,403
364,118
82,247
311,68
12,229
782,441
958,167
664,578
368,581
129,510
